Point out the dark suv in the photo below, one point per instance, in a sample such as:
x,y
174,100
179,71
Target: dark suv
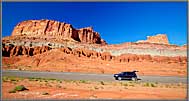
x,y
126,75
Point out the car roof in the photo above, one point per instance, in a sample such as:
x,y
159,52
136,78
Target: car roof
x,y
128,72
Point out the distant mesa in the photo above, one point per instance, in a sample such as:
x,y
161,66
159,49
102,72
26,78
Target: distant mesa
x,y
57,30
159,38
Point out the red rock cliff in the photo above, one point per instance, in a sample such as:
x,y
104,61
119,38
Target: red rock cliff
x,y
58,30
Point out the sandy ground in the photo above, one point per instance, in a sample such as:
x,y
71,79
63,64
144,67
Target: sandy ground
x,y
69,89
74,64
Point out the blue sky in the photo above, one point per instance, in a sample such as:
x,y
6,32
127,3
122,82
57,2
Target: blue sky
x,y
117,22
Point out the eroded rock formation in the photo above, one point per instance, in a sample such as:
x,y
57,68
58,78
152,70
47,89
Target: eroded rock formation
x,y
159,38
57,30
12,50
106,56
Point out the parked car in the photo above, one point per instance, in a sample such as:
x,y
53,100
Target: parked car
x,y
126,75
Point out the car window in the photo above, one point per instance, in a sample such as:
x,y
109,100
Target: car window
x,y
121,73
131,73
128,73
125,73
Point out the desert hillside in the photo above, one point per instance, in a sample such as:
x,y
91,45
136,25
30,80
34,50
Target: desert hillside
x,y
47,45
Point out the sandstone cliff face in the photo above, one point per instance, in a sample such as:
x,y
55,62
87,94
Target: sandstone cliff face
x,y
159,38
9,51
106,56
58,30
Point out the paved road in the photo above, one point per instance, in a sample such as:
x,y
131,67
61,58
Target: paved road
x,y
87,76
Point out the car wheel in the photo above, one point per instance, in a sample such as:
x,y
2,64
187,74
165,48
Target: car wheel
x,y
119,78
133,79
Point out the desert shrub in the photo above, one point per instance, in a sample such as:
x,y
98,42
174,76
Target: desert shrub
x,y
68,80
58,86
83,81
13,79
49,85
148,84
12,91
125,84
51,79
102,83
102,71
128,84
45,93
179,84
31,79
153,85
18,88
132,85
59,81
167,86
5,79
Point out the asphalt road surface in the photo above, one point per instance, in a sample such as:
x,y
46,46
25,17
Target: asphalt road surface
x,y
87,76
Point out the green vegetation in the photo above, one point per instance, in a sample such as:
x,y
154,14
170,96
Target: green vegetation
x,y
11,78
125,84
128,83
150,84
43,79
18,88
146,84
70,81
5,79
59,81
83,81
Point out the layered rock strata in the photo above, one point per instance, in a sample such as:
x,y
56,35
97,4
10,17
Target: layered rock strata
x,y
54,29
80,52
159,38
